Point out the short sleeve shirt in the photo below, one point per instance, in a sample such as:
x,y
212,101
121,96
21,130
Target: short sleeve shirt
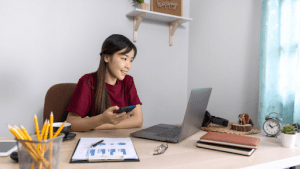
x,y
123,93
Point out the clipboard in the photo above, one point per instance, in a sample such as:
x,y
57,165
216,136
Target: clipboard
x,y
104,158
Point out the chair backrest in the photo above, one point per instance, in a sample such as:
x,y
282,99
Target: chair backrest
x,y
57,100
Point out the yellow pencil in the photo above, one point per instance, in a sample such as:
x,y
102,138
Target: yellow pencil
x,y
37,128
32,165
18,136
40,137
43,129
25,133
51,126
59,129
51,136
20,132
46,131
45,138
28,137
42,134
46,134
24,137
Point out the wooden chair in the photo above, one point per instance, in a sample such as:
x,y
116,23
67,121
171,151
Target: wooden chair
x,y
57,100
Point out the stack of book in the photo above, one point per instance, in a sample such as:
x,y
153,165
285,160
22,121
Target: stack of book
x,y
243,145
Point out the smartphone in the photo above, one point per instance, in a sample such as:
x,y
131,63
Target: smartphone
x,y
125,109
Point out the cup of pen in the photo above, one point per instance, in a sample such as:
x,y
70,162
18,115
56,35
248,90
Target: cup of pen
x,y
39,154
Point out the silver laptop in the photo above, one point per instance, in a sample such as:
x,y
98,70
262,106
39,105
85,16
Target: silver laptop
x,y
192,122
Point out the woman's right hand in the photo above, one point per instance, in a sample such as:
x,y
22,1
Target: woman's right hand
x,y
113,118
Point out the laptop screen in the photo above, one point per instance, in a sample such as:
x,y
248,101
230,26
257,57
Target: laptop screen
x,y
195,112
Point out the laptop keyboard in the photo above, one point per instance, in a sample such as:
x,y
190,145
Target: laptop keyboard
x,y
172,133
156,129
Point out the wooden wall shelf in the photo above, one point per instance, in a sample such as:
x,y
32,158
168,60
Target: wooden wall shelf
x,y
172,20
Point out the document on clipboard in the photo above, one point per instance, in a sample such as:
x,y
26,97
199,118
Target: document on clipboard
x,y
108,149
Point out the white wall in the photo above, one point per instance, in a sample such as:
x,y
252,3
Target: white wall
x,y
47,42
224,43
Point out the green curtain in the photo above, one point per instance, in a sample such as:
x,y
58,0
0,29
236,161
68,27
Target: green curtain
x,y
279,84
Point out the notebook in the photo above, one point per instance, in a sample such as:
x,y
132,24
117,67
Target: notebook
x,y
230,139
192,122
237,144
226,148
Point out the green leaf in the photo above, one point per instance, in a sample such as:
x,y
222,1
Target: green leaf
x,y
288,129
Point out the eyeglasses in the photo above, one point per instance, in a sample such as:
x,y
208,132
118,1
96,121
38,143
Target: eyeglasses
x,y
160,149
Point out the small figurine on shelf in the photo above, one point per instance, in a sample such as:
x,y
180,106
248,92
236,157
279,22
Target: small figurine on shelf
x,y
245,119
244,123
241,117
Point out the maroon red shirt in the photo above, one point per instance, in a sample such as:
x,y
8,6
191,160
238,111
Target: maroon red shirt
x,y
123,93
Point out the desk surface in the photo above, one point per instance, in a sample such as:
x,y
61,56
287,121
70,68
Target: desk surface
x,y
270,154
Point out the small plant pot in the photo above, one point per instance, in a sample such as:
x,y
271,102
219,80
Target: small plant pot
x,y
288,140
144,6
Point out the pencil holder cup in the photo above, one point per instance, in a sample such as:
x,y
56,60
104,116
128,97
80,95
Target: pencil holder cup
x,y
39,154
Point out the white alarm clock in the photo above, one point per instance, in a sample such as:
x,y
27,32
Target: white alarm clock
x,y
272,125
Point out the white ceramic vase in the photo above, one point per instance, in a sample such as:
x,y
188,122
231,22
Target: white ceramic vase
x,y
288,140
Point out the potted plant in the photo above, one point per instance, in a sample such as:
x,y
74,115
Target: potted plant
x,y
142,4
288,136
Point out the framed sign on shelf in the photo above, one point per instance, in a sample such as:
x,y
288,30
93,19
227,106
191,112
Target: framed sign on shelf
x,y
172,7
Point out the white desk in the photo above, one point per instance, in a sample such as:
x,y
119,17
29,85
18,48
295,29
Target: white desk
x,y
270,154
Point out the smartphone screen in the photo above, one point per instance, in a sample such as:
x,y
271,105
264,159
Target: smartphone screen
x,y
125,109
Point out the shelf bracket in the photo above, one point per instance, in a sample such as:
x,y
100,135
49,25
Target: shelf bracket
x,y
173,27
136,23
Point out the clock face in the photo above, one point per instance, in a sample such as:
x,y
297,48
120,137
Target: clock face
x,y
271,127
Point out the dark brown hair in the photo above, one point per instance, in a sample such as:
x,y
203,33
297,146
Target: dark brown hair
x,y
111,45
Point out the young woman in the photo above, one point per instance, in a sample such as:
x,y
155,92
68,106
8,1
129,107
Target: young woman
x,y
99,94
